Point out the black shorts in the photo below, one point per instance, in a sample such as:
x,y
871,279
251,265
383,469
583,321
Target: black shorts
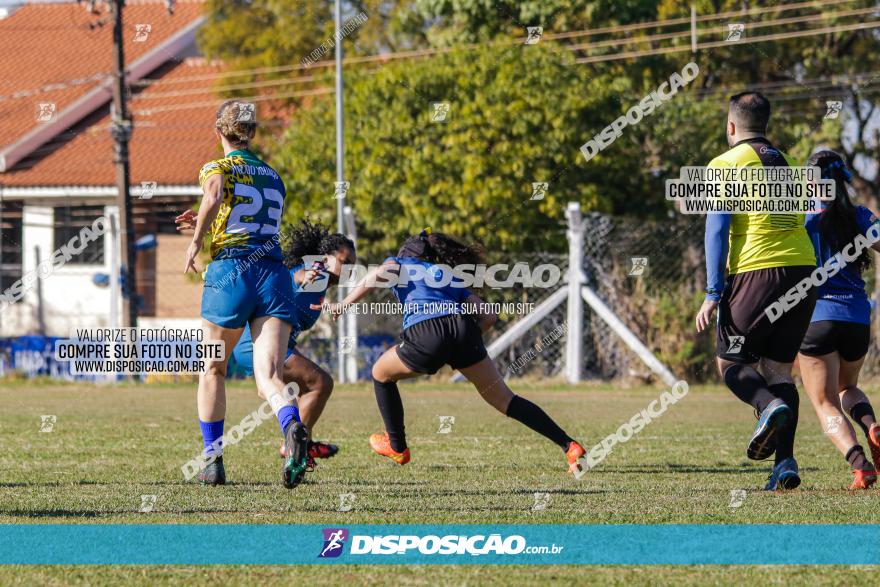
x,y
849,339
745,332
453,340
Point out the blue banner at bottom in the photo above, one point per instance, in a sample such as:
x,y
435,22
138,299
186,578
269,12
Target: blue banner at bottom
x,y
158,544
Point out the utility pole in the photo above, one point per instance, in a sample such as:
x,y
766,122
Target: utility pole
x,y
340,194
121,132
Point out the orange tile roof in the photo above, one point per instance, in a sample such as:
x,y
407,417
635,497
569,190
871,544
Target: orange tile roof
x,y
46,44
167,146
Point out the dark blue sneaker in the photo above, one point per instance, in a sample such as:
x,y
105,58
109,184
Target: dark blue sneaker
x,y
784,476
214,473
773,419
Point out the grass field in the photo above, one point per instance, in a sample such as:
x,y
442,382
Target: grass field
x,y
111,445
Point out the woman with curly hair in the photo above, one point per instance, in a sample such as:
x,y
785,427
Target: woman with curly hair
x,y
315,258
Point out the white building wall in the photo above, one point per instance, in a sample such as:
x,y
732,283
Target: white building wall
x,y
70,298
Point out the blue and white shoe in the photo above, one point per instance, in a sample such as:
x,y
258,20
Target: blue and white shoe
x,y
773,419
784,476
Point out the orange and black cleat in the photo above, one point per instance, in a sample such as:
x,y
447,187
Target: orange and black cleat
x,y
863,479
874,442
572,454
381,445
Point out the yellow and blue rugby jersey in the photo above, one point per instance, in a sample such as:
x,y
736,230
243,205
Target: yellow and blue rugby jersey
x,y
250,215
762,241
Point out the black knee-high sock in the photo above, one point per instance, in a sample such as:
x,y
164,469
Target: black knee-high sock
x,y
391,408
863,414
749,386
788,393
857,459
524,411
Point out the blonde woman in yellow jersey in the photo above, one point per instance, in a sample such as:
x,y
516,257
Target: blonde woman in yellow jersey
x,y
765,255
245,284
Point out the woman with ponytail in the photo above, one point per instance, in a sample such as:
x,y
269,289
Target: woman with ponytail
x,y
246,284
834,348
443,324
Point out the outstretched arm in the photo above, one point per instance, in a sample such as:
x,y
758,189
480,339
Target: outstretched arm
x,y
867,219
379,275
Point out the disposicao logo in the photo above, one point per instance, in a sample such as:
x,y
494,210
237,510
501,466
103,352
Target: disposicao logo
x,y
334,542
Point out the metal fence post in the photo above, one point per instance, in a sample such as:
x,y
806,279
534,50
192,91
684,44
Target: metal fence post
x,y
574,339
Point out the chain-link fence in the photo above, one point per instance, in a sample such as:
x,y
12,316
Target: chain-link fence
x,y
651,275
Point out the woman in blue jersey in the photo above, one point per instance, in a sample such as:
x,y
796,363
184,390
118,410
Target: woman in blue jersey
x,y
439,329
316,259
834,348
245,284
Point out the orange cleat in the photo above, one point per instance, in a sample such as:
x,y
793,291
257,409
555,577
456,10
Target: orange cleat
x,y
574,452
381,445
874,442
863,479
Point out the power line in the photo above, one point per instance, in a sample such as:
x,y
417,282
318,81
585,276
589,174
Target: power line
x,y
213,103
321,90
756,25
608,57
646,52
704,18
416,53
715,44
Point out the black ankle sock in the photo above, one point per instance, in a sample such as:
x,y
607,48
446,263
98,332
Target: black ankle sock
x,y
857,459
525,412
391,408
863,414
788,393
749,386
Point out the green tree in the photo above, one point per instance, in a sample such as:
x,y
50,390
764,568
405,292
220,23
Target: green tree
x,y
248,34
518,115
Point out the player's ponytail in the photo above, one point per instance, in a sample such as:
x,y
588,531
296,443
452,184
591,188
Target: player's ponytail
x,y
837,223
237,122
441,249
447,250
312,238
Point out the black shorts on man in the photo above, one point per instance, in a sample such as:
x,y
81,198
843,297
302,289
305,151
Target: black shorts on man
x,y
745,332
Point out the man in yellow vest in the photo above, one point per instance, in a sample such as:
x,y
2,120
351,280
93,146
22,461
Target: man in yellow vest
x,y
765,256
